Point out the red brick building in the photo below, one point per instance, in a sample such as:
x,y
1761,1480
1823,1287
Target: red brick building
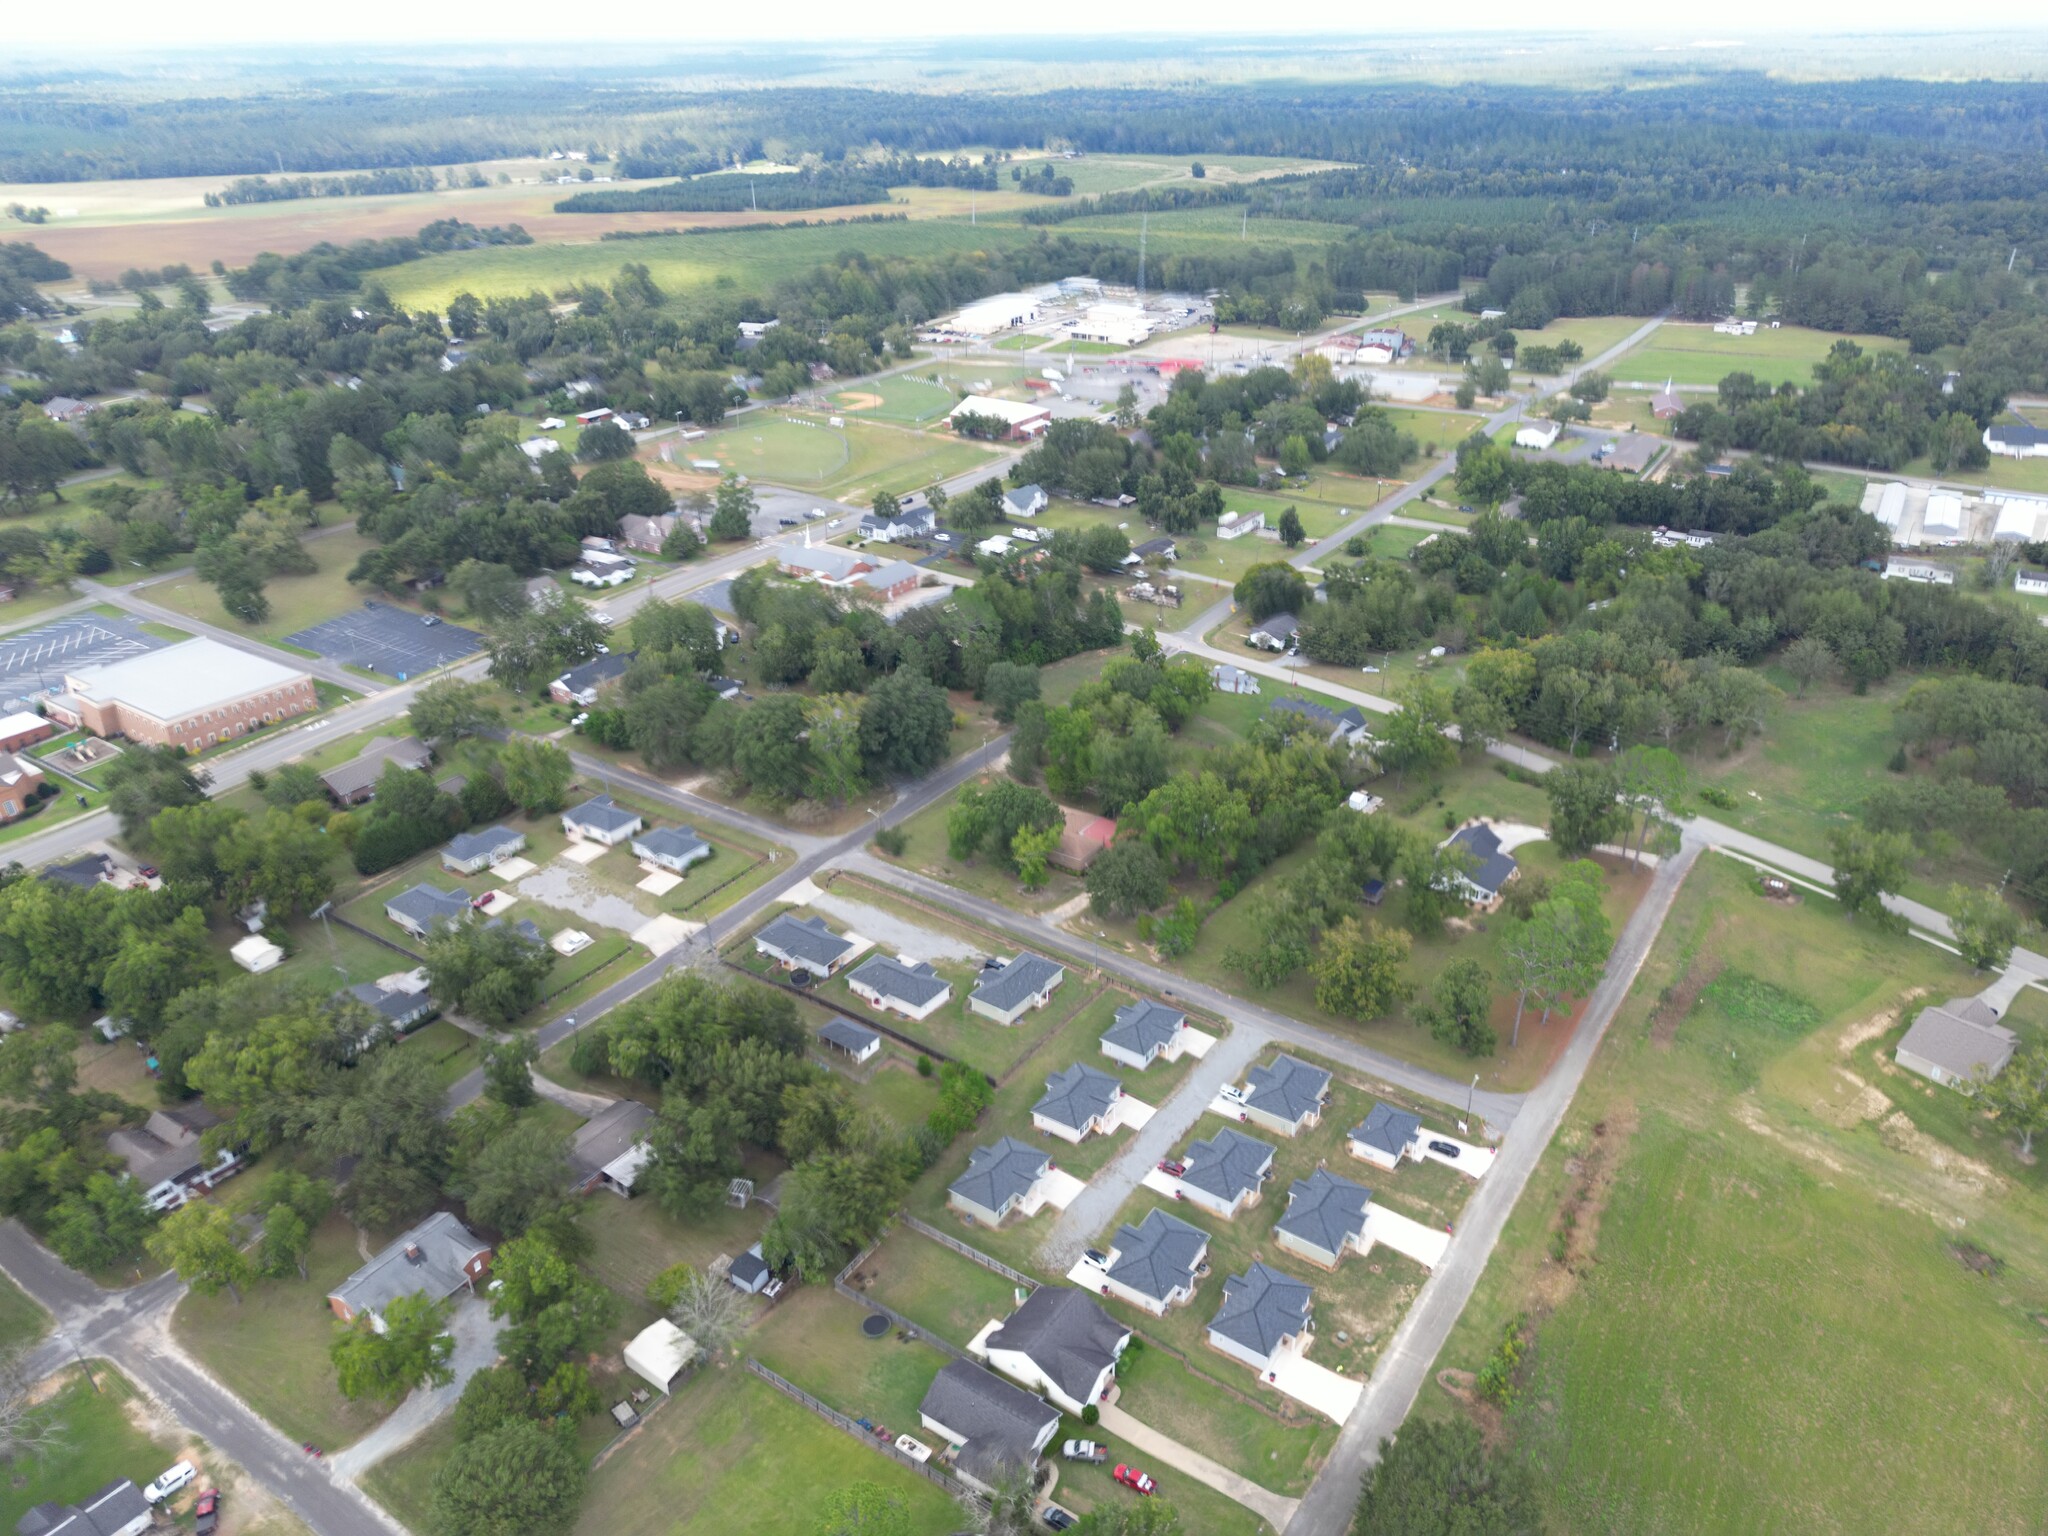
x,y
194,695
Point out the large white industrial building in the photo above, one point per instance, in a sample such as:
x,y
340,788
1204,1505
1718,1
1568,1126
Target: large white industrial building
x,y
1003,312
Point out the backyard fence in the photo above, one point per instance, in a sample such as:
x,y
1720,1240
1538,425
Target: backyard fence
x,y
858,1016
832,1416
704,896
967,1251
375,938
842,1283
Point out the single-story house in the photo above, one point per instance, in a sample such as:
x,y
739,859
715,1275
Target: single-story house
x,y
906,526
86,870
610,1148
1629,454
1229,679
1265,1317
860,1044
1144,1032
1235,525
1914,568
118,1509
1537,434
998,1178
1155,1264
590,573
671,848
581,685
355,781
424,908
2011,440
1156,549
602,819
439,1257
1082,839
750,1273
1287,1097
661,1352
164,1156
1385,1136
400,1001
647,534
726,687
1078,1103
1061,1343
996,1427
1492,867
1275,632
802,944
256,954
1226,1173
2032,582
1346,727
469,852
1008,991
1325,1215
64,408
1959,1043
1025,501
909,987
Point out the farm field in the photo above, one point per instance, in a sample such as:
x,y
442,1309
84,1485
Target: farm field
x,y
296,602
1750,1224
1695,354
851,462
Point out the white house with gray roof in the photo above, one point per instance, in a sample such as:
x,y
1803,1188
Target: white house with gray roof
x,y
1059,1342
1079,1102
1490,866
1226,1173
1958,1044
999,1179
602,819
997,1427
1012,989
1286,1097
424,908
674,849
1155,1264
1325,1217
1265,1317
1145,1032
468,853
901,985
1385,1136
860,1045
802,944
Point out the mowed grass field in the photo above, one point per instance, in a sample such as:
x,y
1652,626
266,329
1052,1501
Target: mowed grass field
x,y
1695,354
1764,1320
905,399
296,602
851,462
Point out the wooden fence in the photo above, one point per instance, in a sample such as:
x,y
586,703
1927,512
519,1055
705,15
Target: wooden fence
x,y
832,1416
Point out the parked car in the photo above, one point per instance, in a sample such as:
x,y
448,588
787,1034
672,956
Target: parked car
x,y
429,619
1132,1478
206,1513
1084,1450
1169,1166
148,871
176,1476
1055,1518
1097,1257
1443,1149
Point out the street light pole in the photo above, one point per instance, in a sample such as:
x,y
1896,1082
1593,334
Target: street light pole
x,y
1465,1124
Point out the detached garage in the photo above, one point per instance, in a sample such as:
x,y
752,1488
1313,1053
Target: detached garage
x,y
661,1352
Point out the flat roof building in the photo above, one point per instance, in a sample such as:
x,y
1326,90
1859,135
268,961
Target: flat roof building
x,y
193,695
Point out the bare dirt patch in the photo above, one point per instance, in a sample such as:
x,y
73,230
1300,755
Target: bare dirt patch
x,y
1751,1117
1681,998
1869,1029
1904,1137
1576,1237
856,400
1464,1390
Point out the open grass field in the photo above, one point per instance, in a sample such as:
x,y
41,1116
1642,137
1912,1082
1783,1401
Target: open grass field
x,y
296,602
853,462
22,1322
728,1455
102,1442
812,1337
1763,1319
1437,431
271,1347
1696,354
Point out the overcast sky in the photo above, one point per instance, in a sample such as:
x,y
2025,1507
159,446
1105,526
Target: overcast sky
x,y
124,24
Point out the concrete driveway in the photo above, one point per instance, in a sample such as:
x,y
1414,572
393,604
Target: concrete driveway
x,y
476,1346
1150,1449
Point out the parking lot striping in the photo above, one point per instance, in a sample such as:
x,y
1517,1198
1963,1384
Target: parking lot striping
x,y
388,640
35,662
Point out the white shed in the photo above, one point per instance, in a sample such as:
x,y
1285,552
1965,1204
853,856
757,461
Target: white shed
x,y
257,954
660,1352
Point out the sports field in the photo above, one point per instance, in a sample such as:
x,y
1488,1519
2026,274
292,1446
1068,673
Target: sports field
x,y
852,462
1696,354
903,398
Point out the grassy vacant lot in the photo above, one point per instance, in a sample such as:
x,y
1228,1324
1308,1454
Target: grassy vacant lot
x,y
1438,431
271,1347
1696,354
728,1455
1772,1312
926,850
296,602
21,1320
404,1483
854,461
102,1442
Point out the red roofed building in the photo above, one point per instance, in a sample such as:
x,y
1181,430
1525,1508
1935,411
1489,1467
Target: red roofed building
x,y
1082,840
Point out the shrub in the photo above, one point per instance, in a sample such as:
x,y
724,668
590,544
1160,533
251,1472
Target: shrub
x,y
892,841
1717,797
1496,1381
924,1066
1091,1415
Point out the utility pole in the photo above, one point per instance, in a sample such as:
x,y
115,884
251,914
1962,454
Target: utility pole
x,y
1244,224
2015,256
753,197
1144,223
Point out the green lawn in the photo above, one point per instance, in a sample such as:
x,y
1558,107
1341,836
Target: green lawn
x,y
812,1337
271,1347
404,1482
296,602
442,1052
1763,1322
933,1286
854,461
906,399
632,1241
101,1443
22,1321
731,1456
1696,354
1438,431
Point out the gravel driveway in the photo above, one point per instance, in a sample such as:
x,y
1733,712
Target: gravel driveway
x,y
568,889
893,934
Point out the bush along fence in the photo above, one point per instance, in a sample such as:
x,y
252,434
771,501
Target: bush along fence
x,y
966,1251
838,1420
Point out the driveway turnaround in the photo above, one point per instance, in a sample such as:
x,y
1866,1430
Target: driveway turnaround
x,y
1146,1442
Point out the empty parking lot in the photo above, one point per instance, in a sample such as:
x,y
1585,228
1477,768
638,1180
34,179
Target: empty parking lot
x,y
389,640
35,661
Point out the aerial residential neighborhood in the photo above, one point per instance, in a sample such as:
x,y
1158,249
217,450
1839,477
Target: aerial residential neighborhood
x,y
1145,782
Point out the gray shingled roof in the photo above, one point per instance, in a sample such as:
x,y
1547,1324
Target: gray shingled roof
x,y
1076,1096
115,1507
808,939
465,846
1143,1027
366,768
1490,866
608,1135
1288,1089
1022,977
596,672
1228,1165
1325,1210
847,1035
604,813
1002,1422
389,1003
672,842
915,984
444,1244
1351,719
1261,1307
1961,1037
999,1173
1066,1334
1388,1129
1281,626
1158,1254
429,905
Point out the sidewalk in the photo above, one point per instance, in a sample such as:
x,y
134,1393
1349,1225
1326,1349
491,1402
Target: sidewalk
x,y
1275,1510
